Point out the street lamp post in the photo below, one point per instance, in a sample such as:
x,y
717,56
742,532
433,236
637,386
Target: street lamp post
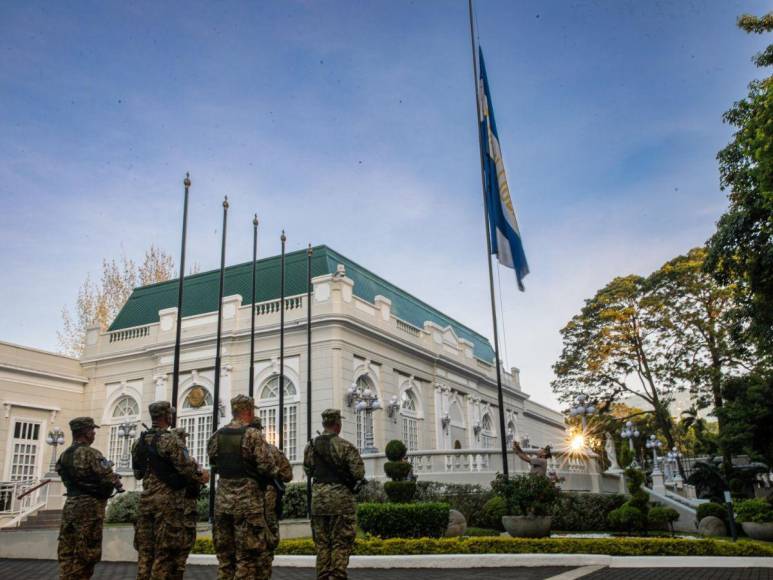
x,y
583,408
55,438
630,433
126,432
364,400
654,444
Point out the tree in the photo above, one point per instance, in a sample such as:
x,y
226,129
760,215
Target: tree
x,y
98,305
748,416
742,247
611,350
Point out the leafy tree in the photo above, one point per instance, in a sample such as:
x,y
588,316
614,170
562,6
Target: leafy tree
x,y
611,350
696,435
98,304
748,416
742,247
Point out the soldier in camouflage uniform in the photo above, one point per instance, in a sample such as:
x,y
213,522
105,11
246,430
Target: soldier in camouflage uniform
x,y
239,454
337,468
272,509
89,481
190,509
162,533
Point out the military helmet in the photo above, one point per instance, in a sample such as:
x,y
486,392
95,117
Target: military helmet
x,y
242,403
331,416
82,423
160,409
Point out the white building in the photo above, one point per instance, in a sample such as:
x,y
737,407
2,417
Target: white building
x,y
433,376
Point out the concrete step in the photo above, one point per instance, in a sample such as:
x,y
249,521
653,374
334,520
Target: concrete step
x,y
44,519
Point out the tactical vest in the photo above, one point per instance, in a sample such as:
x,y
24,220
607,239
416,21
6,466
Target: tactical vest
x,y
325,471
161,466
231,464
71,484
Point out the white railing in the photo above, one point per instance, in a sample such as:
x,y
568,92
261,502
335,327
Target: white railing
x,y
18,499
272,306
129,333
407,328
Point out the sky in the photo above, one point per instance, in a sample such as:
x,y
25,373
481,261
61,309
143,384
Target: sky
x,y
352,124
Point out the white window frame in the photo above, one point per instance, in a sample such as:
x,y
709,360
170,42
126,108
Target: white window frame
x,y
115,446
197,422
487,434
410,416
11,448
268,411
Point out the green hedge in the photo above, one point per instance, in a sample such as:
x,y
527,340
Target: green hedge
x,y
294,502
759,511
584,512
406,520
503,545
466,498
711,509
123,508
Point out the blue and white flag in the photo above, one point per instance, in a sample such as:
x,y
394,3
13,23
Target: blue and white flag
x,y
506,240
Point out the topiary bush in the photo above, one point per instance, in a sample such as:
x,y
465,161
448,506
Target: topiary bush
x,y
294,502
396,450
711,509
584,512
632,515
123,508
492,513
663,518
526,494
407,520
758,511
627,518
400,491
397,470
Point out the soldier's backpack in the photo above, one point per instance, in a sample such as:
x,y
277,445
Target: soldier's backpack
x,y
230,463
91,485
147,459
325,468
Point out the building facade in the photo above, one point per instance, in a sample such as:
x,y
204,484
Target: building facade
x,y
433,378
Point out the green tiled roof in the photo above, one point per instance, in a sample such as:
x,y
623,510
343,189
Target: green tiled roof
x,y
201,293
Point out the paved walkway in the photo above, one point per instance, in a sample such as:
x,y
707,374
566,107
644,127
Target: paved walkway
x,y
47,569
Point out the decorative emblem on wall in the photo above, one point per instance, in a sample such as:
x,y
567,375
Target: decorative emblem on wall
x,y
197,397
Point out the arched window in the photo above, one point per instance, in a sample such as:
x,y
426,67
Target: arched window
x,y
363,382
125,410
410,420
268,409
196,418
487,432
510,433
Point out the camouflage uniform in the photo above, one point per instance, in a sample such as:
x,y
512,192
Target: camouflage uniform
x,y
332,502
239,530
191,514
285,475
162,532
90,481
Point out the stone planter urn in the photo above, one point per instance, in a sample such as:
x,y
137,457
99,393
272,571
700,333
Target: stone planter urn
x,y
527,526
759,531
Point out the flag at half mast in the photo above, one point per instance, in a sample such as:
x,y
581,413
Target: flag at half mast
x,y
506,240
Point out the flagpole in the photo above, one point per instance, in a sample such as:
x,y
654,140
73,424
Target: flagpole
x,y
252,310
308,368
176,365
216,402
280,434
500,395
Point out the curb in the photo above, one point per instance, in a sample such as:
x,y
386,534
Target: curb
x,y
457,561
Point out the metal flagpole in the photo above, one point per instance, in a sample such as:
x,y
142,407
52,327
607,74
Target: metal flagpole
x,y
500,396
280,434
216,402
176,366
252,330
308,368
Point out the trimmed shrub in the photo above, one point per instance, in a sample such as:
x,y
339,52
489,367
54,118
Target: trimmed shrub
x,y
294,502
371,492
627,518
466,498
506,545
400,491
712,509
758,511
397,470
481,533
123,508
408,520
663,518
526,494
396,450
492,513
584,512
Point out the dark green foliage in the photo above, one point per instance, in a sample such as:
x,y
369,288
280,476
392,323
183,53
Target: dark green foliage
x,y
712,509
294,502
708,481
400,491
663,518
584,512
397,470
481,532
123,508
396,450
492,513
625,456
627,518
505,545
466,498
371,492
202,504
411,520
759,511
748,416
526,494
